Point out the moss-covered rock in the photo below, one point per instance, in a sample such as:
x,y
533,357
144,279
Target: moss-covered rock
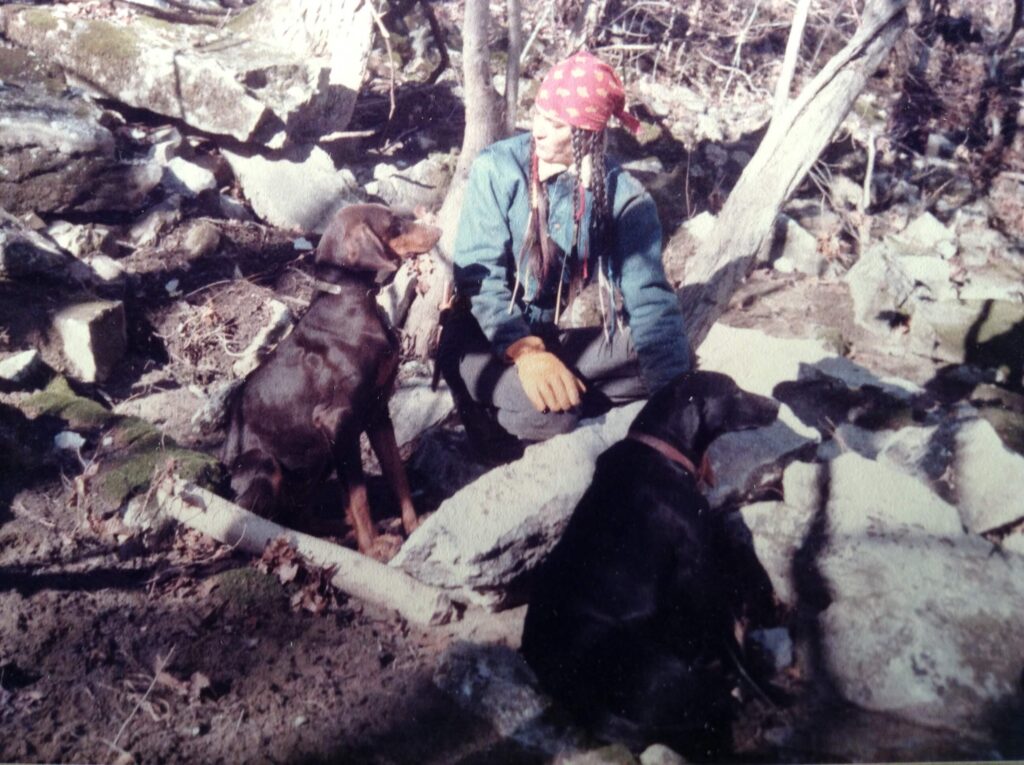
x,y
58,400
130,473
132,450
250,88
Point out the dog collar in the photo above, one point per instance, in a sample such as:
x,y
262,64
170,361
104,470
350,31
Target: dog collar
x,y
702,474
320,284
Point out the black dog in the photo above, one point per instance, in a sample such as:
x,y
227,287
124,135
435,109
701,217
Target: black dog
x,y
300,413
629,623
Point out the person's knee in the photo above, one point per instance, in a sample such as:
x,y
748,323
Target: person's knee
x,y
531,425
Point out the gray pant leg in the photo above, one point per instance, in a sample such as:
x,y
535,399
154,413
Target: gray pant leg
x,y
609,368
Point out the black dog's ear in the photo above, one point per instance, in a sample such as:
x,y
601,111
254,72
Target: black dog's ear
x,y
357,248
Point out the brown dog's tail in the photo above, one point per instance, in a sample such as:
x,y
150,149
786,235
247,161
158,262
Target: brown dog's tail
x,y
256,481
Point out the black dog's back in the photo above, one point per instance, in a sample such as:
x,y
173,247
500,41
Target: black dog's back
x,y
630,625
598,633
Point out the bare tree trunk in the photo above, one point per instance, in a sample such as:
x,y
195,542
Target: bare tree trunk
x,y
515,47
788,151
355,574
484,125
796,36
482,111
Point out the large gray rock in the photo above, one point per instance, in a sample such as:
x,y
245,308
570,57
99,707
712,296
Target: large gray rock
x,y
927,235
93,337
964,459
424,183
301,193
415,406
798,250
961,305
486,537
25,253
988,478
83,240
987,333
494,682
759,362
20,370
55,156
924,629
920,620
219,80
849,496
749,460
880,287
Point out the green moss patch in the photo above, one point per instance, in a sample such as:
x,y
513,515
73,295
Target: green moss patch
x,y
59,400
247,589
133,448
130,474
39,19
104,41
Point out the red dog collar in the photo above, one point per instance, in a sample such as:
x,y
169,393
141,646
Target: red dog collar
x,y
704,473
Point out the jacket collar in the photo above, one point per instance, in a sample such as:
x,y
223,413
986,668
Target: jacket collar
x,y
548,170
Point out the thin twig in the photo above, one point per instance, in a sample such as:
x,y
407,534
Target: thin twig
x,y
742,38
161,664
731,69
391,56
796,36
550,11
865,201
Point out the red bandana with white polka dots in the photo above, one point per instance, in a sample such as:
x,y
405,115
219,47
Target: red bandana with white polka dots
x,y
584,92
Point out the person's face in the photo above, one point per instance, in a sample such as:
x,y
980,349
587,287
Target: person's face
x,y
553,139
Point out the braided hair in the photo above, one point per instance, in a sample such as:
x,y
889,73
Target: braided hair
x,y
584,143
591,142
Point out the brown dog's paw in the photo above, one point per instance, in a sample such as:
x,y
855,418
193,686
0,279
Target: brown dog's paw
x,y
384,547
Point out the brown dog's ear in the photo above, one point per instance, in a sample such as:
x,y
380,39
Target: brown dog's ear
x,y
355,247
362,250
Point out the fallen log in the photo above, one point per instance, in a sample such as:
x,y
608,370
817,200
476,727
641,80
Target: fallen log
x,y
355,574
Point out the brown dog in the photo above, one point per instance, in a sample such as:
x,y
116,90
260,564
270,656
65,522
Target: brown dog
x,y
301,412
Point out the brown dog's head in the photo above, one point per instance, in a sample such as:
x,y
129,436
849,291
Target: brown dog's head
x,y
373,238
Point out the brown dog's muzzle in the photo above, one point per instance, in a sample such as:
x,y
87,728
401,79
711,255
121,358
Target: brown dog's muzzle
x,y
415,239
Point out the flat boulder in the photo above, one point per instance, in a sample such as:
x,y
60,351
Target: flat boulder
x,y
924,629
485,538
299,191
914,617
221,80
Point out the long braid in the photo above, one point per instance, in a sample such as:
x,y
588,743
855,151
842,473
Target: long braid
x,y
602,215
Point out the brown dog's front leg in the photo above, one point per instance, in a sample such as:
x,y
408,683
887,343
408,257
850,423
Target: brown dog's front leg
x,y
357,510
385,446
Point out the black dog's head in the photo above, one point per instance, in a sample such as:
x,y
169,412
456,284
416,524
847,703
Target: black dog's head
x,y
697,407
373,238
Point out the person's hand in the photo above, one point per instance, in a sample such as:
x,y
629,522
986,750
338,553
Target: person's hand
x,y
548,383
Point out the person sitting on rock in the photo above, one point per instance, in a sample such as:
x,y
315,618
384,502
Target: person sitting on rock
x,y
544,214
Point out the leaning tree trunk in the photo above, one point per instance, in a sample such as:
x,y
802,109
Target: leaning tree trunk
x,y
788,151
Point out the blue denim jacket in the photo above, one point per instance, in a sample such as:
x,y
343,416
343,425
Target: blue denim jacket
x,y
489,240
